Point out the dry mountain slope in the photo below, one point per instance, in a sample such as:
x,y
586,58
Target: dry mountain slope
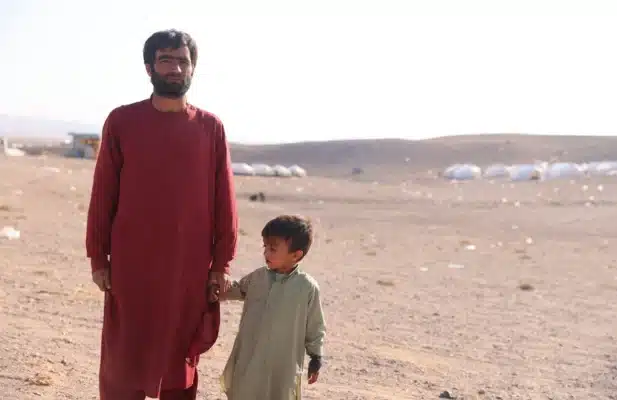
x,y
338,157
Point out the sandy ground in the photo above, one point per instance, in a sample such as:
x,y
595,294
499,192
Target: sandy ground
x,y
487,290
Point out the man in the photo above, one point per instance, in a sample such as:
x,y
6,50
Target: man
x,y
162,226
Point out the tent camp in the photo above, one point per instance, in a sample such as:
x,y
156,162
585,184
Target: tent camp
x,y
526,172
242,169
563,170
497,171
263,170
298,171
462,172
601,168
280,170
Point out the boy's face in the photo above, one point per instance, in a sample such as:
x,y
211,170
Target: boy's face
x,y
277,254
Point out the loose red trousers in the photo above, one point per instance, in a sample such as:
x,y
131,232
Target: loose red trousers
x,y
109,392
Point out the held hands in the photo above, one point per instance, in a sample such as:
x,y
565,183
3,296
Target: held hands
x,y
218,283
214,292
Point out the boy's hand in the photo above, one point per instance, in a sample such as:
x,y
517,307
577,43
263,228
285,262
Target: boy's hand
x,y
312,378
313,369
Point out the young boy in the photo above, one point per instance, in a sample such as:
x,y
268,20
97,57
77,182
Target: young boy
x,y
281,319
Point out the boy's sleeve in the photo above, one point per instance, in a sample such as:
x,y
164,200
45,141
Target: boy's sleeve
x,y
238,289
315,325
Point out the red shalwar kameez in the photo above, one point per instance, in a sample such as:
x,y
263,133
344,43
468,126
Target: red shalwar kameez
x,y
163,210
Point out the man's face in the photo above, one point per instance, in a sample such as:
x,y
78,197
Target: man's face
x,y
172,72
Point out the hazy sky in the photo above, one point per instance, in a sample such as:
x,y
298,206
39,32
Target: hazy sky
x,y
288,71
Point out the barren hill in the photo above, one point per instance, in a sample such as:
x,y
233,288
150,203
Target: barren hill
x,y
339,157
398,158
41,128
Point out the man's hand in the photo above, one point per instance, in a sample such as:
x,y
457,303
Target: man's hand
x,y
102,278
220,279
213,292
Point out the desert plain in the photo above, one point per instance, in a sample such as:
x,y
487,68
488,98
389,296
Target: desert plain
x,y
485,289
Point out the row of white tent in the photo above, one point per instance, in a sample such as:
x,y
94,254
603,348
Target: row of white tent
x,y
525,172
267,170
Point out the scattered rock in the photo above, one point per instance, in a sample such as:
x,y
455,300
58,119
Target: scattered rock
x,y
385,283
527,287
40,380
446,395
51,169
10,233
260,196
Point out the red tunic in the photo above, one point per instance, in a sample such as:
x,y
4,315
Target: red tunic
x,y
163,210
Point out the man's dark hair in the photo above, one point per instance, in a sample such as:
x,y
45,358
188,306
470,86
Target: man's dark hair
x,y
297,231
169,39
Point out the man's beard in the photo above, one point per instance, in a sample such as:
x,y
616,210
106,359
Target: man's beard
x,y
171,90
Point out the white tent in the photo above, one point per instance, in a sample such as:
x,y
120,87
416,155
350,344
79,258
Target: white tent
x,y
263,170
280,170
525,172
586,167
242,169
563,170
601,168
296,170
11,151
497,171
462,172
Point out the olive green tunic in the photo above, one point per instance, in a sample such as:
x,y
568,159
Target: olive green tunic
x,y
282,318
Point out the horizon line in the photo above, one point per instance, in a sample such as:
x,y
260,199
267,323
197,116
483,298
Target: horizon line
x,y
14,137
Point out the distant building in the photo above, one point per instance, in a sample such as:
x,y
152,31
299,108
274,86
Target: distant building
x,y
85,145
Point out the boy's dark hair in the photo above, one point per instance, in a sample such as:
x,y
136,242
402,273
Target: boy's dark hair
x,y
296,230
169,39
